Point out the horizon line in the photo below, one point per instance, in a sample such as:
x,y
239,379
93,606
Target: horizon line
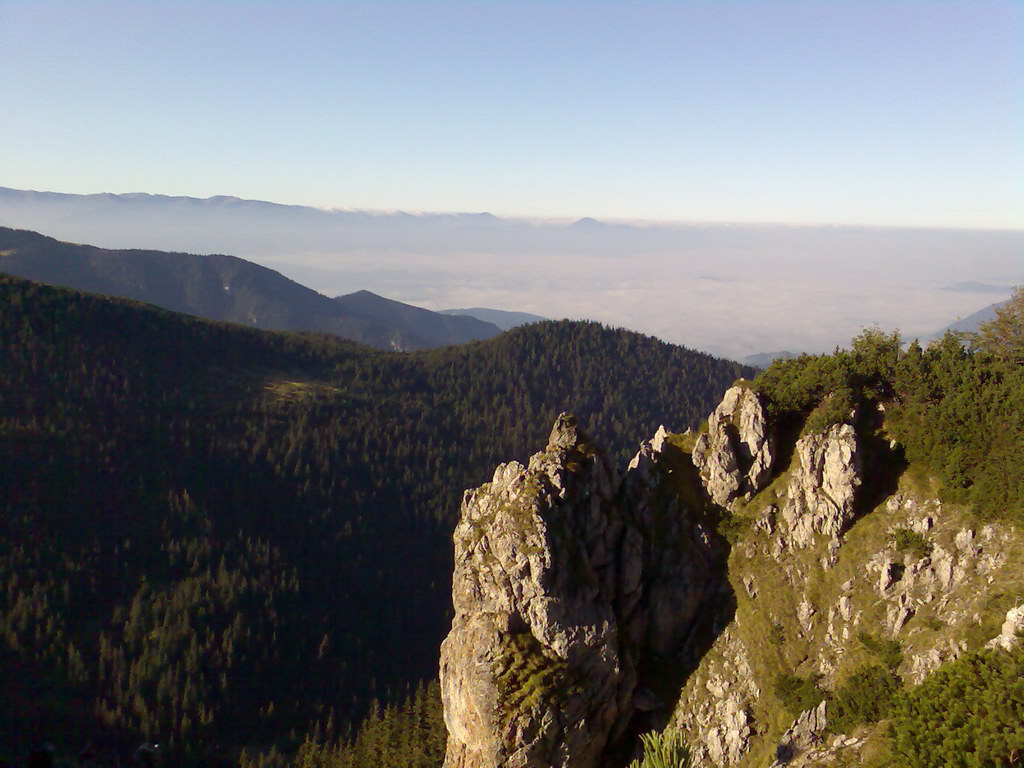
x,y
541,219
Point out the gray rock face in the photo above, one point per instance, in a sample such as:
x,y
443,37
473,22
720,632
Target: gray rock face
x,y
716,705
735,455
558,588
571,587
669,577
533,671
820,496
804,736
1012,630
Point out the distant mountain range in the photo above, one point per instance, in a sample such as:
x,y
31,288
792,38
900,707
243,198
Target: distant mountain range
x,y
220,287
499,317
971,323
668,279
764,359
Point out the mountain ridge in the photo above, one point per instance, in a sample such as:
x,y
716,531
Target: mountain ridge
x,y
503,318
551,268
221,287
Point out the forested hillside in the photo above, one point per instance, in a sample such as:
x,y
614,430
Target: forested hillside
x,y
215,536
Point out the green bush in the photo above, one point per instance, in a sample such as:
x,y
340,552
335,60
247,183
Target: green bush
x,y
798,693
865,697
663,750
1003,335
732,526
889,652
912,542
957,412
969,714
835,408
833,384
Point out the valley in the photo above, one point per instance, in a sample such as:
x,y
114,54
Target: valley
x,y
217,536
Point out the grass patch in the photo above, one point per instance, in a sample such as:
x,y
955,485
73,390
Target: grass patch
x,y
663,750
528,678
298,391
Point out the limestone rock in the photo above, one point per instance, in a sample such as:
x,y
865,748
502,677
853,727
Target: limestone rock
x,y
1012,630
671,548
923,664
820,495
726,741
534,613
890,573
572,586
735,455
964,542
805,615
804,735
716,704
560,584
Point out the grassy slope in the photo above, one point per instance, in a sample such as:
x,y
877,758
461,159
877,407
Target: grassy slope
x,y
774,640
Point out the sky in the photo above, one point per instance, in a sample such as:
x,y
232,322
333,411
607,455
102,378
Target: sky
x,y
876,113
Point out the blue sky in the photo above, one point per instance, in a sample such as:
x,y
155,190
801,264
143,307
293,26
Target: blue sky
x,y
890,113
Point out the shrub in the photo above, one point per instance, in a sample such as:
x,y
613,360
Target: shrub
x,y
1003,335
912,542
663,750
798,693
834,409
865,697
969,714
834,382
889,652
777,634
732,526
957,412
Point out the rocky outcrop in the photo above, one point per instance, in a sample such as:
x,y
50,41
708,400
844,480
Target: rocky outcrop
x,y
560,587
1011,631
735,455
716,703
533,672
675,552
573,586
820,495
805,735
